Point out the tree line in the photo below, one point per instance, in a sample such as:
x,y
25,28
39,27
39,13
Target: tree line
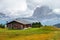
x,y
37,25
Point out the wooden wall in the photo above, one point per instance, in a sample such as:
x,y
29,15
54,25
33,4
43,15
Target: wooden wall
x,y
16,25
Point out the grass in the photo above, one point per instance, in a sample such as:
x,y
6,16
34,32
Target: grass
x,y
43,33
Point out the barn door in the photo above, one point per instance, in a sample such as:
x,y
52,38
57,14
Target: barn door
x,y
21,26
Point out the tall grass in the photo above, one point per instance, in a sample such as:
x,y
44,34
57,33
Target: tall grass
x,y
43,33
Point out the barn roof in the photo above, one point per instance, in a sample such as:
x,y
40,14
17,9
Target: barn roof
x,y
24,20
21,21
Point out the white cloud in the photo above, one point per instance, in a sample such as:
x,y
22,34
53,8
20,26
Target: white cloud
x,y
56,11
24,8
52,3
12,7
16,8
32,4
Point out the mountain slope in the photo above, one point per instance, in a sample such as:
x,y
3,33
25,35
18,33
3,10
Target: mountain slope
x,y
57,25
41,12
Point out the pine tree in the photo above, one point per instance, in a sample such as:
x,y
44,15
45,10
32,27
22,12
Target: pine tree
x,y
36,25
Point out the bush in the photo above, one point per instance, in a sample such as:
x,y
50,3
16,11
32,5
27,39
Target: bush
x,y
2,26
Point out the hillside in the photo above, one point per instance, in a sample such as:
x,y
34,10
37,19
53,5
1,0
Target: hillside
x,y
43,33
57,25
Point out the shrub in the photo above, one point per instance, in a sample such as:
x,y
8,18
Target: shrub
x,y
2,26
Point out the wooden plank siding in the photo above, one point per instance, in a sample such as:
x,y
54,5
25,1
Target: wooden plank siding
x,y
17,25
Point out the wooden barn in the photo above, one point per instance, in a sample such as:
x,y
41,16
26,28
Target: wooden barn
x,y
18,24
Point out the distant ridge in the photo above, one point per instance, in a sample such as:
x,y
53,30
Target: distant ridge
x,y
57,25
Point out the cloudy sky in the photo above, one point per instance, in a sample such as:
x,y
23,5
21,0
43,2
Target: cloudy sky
x,y
25,8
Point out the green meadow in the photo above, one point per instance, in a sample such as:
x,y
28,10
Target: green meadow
x,y
42,33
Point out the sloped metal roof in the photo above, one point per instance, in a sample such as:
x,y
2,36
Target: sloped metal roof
x,y
23,21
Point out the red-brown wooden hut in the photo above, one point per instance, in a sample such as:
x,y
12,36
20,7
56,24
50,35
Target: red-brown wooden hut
x,y
18,24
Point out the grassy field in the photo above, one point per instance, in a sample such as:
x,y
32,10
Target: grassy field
x,y
43,33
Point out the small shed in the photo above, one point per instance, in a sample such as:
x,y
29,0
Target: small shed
x,y
19,24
